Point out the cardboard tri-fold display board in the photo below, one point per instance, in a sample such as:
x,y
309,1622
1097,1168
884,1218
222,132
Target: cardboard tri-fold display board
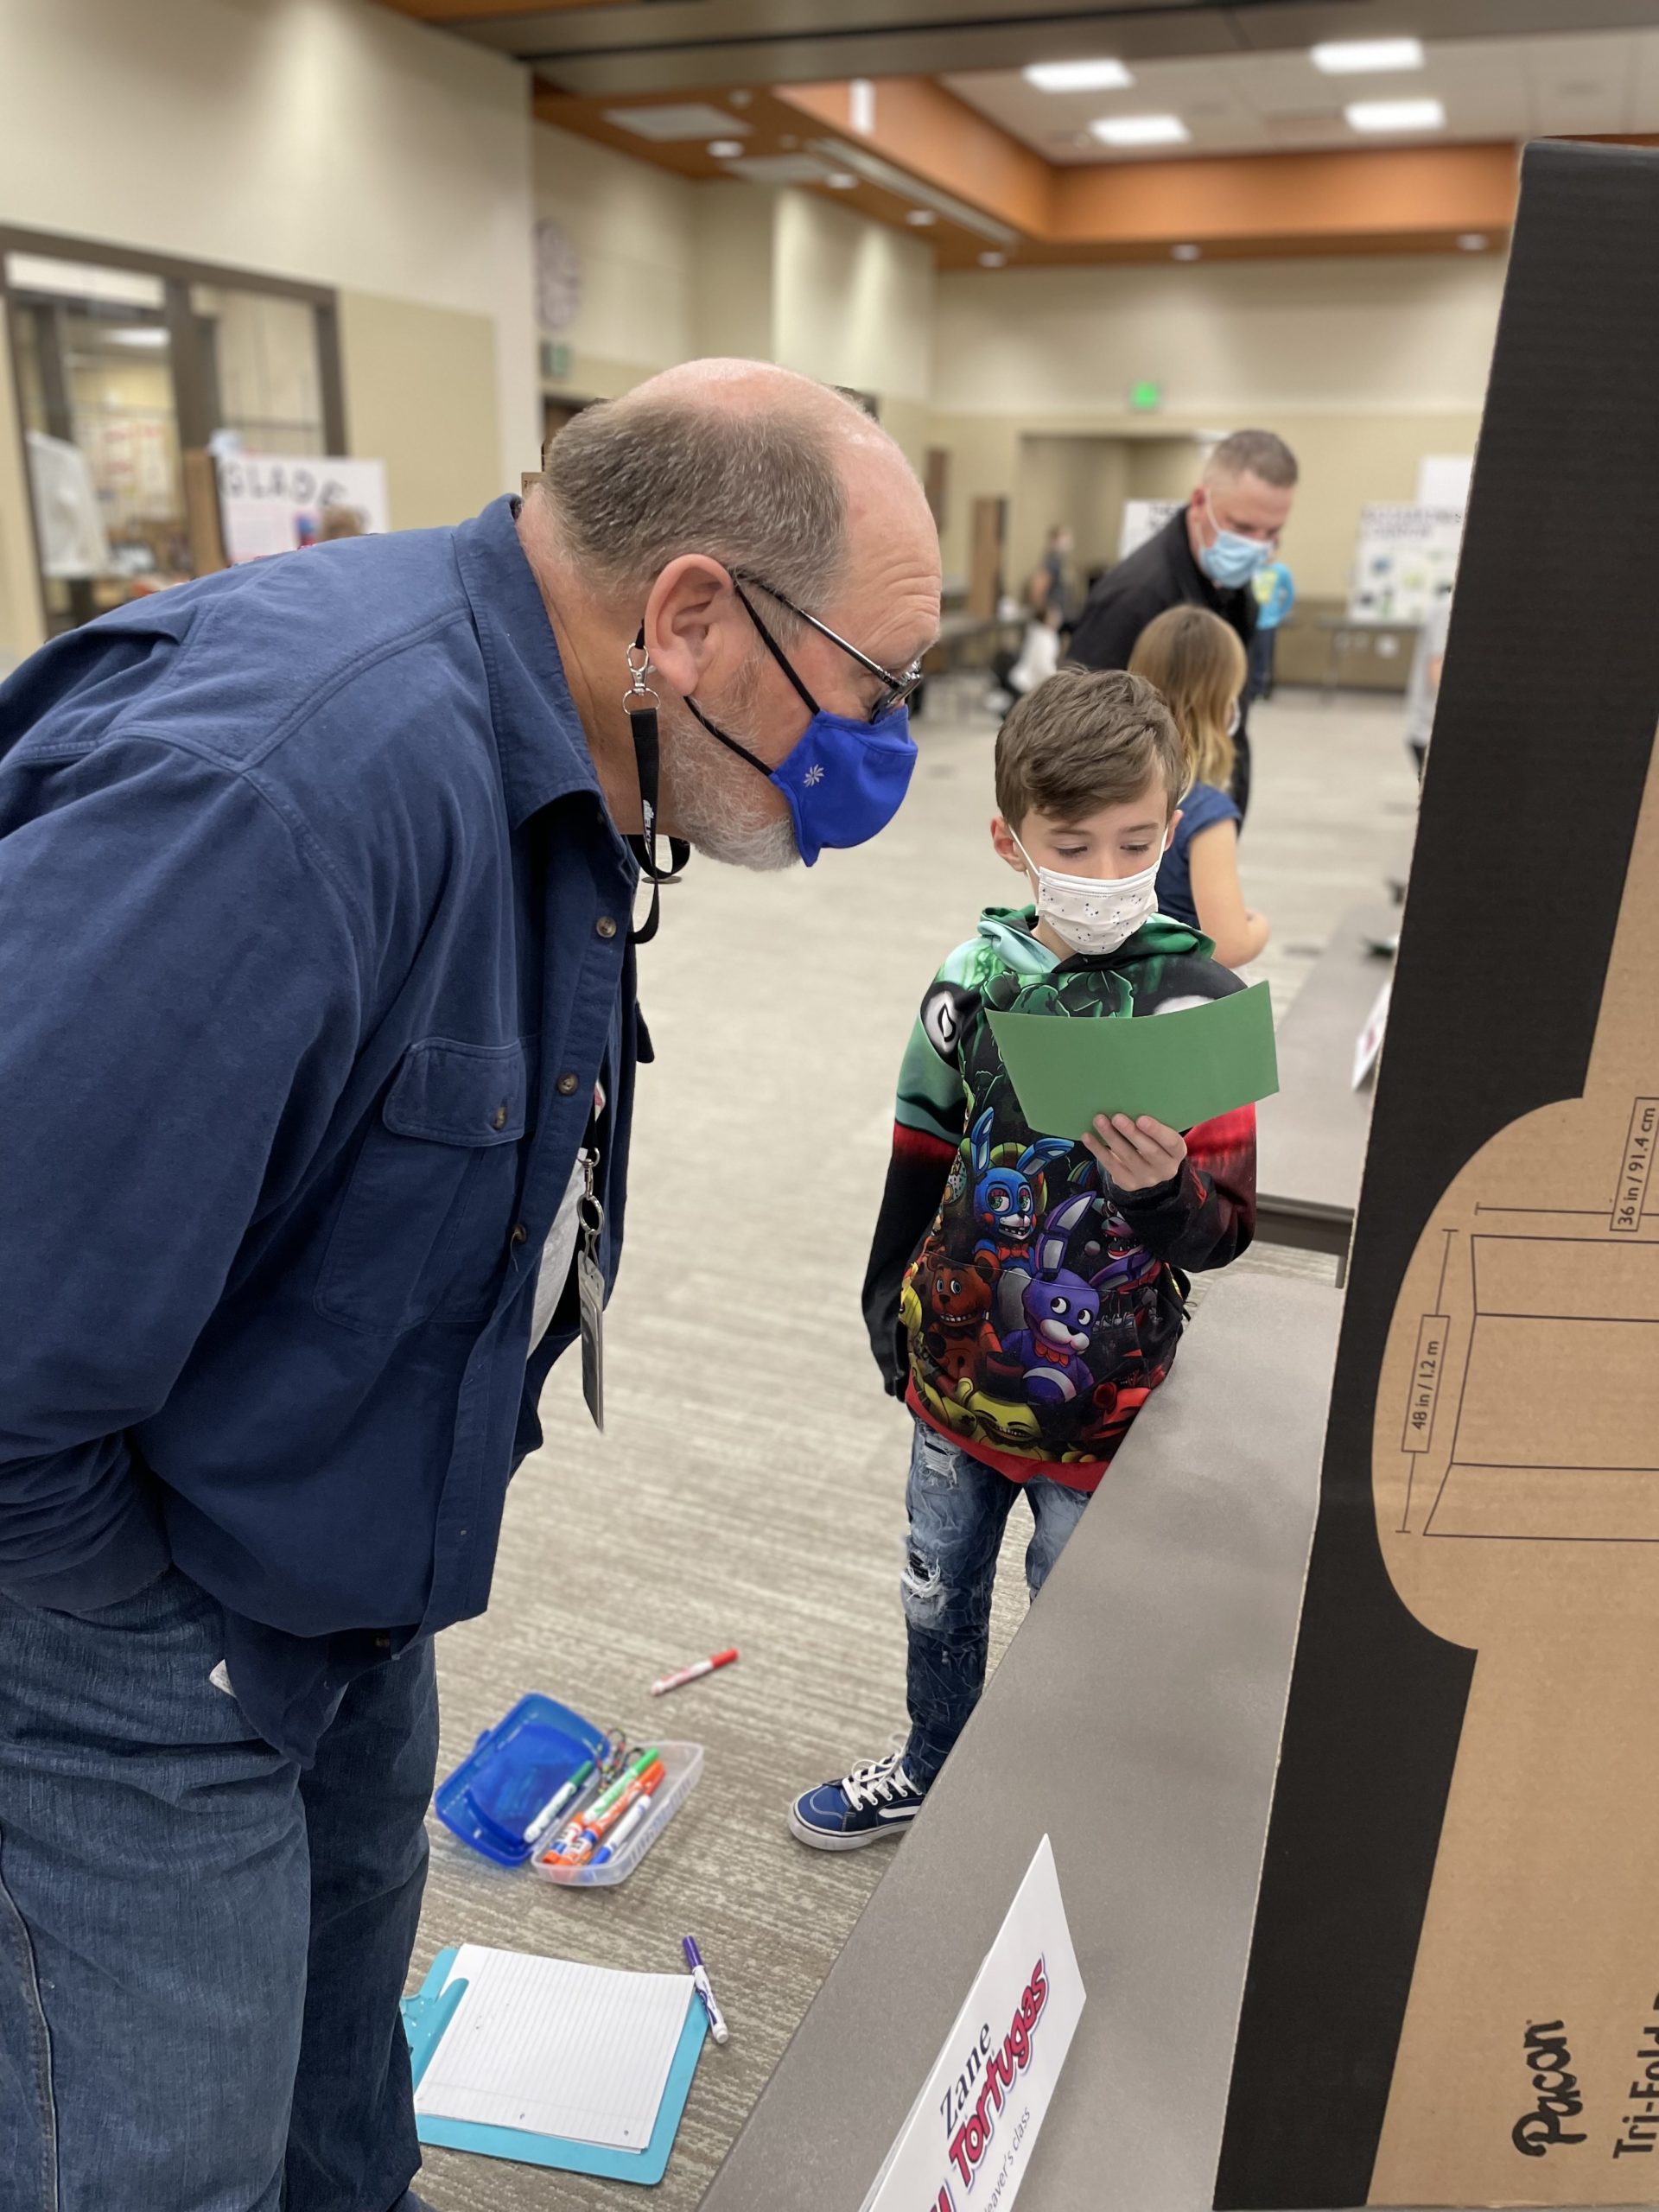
x,y
1453,1989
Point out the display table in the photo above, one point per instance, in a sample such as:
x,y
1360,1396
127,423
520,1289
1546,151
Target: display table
x,y
1362,653
1310,1137
1135,1720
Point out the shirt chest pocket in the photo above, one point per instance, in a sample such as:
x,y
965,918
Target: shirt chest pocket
x,y
423,1224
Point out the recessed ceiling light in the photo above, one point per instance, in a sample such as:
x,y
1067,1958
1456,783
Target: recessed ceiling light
x,y
1395,115
861,105
144,334
1079,76
1139,130
725,149
1350,57
1185,252
840,181
992,260
1473,241
683,119
923,217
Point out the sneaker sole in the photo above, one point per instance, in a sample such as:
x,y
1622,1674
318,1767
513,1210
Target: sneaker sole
x,y
821,1839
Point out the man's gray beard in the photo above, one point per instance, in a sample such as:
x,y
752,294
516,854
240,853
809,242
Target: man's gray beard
x,y
700,801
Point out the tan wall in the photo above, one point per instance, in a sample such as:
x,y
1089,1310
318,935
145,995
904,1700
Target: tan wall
x,y
1347,461
1081,482
852,300
731,285
1364,366
633,230
670,270
909,421
327,140
1227,341
420,387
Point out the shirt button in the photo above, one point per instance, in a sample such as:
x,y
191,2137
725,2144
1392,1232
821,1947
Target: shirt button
x,y
519,1235
606,926
500,1117
566,1085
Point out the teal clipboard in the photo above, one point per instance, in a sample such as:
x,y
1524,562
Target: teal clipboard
x,y
428,2012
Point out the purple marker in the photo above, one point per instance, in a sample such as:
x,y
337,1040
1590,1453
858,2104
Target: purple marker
x,y
717,2026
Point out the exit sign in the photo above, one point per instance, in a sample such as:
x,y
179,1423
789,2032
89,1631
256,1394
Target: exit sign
x,y
1146,396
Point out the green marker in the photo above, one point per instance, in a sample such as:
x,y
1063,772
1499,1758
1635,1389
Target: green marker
x,y
565,1795
607,1798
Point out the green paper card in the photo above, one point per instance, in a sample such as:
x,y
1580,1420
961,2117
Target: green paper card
x,y
1181,1068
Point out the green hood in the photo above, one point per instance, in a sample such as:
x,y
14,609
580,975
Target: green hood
x,y
1009,929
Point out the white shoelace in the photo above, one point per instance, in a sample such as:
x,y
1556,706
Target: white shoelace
x,y
878,1784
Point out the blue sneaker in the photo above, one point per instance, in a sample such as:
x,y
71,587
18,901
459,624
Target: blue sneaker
x,y
873,1802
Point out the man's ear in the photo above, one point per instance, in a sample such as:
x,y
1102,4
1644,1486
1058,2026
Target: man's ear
x,y
691,613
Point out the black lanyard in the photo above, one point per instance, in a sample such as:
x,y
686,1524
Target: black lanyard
x,y
641,704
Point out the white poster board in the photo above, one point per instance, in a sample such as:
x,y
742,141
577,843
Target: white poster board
x,y
1443,480
968,2139
1143,519
271,503
1406,558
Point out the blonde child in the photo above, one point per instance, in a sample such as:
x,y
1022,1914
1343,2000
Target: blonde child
x,y
1196,661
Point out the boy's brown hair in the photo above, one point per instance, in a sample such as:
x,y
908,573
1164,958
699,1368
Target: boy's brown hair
x,y
1084,739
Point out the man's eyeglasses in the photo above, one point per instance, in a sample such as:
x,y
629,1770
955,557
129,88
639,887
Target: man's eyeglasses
x,y
896,688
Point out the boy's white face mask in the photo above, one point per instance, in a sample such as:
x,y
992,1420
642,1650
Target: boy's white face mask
x,y
1093,914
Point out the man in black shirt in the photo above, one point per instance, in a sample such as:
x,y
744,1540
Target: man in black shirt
x,y
1206,555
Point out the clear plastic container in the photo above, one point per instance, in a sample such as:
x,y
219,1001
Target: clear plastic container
x,y
682,1764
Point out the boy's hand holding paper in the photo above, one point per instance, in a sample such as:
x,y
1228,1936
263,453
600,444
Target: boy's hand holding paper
x,y
1180,1068
1137,1155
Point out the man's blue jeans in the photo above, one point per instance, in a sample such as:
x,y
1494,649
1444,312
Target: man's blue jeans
x,y
201,1949
958,1508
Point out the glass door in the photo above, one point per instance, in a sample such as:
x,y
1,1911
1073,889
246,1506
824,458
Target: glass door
x,y
126,375
95,377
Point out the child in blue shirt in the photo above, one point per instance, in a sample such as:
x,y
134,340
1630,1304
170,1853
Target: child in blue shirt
x,y
1195,660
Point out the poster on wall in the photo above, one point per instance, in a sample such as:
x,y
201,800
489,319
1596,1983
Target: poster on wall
x,y
1143,519
1443,480
273,503
1407,559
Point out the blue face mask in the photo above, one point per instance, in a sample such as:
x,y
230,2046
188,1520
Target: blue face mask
x,y
1232,560
844,779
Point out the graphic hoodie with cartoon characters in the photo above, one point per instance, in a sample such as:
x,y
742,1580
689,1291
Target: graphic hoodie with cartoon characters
x,y
1019,1303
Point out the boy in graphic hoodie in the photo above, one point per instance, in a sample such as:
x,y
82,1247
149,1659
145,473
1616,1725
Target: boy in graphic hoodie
x,y
1025,1294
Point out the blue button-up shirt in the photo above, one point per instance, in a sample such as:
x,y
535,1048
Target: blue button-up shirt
x,y
314,945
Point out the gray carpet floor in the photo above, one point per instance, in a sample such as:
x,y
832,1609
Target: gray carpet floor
x,y
749,1487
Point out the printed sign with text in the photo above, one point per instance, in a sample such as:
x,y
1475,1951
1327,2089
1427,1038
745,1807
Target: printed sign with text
x,y
970,2136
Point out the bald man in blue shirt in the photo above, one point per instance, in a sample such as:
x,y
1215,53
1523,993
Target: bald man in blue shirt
x,y
316,978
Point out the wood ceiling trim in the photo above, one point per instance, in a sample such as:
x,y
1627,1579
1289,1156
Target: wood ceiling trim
x,y
1366,200
921,128
1336,196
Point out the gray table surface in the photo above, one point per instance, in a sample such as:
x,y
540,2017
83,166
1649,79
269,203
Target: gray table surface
x,y
1310,1137
1135,1719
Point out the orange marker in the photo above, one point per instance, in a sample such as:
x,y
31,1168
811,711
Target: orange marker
x,y
583,1847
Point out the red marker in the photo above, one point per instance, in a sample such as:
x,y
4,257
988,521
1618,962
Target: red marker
x,y
692,1674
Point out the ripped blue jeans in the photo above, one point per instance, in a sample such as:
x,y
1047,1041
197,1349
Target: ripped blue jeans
x,y
958,1508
